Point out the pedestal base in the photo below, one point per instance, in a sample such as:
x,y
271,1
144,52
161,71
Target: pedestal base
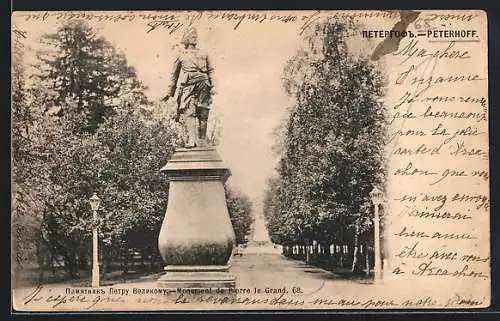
x,y
196,238
197,277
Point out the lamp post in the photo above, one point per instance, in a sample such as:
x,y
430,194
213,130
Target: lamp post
x,y
95,201
376,197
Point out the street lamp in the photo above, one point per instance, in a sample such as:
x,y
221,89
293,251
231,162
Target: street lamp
x,y
376,197
95,201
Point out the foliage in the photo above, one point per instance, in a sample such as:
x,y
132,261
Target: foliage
x,y
91,130
332,151
240,213
87,79
26,196
82,124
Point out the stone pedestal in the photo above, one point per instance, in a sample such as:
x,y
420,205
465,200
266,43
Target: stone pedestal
x,y
196,238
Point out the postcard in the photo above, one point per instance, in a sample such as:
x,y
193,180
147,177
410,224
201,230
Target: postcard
x,y
249,160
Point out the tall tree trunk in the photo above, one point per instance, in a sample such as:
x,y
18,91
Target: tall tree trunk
x,y
333,258
315,250
354,266
326,254
125,262
41,265
107,261
152,262
341,259
71,266
51,261
367,258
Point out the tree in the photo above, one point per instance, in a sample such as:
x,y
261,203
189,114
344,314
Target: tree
x,y
87,78
240,213
332,152
26,226
284,227
93,131
136,191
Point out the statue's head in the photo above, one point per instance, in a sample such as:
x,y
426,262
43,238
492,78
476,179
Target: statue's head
x,y
190,37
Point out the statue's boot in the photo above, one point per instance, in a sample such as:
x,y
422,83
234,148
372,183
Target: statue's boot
x,y
202,133
191,131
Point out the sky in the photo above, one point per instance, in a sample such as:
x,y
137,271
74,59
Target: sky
x,y
250,100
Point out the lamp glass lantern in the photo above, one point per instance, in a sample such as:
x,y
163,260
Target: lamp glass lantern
x,y
94,201
376,196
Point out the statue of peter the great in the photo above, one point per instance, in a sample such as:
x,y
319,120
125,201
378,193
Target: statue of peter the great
x,y
191,83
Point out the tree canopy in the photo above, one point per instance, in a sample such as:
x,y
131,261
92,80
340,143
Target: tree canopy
x,y
332,142
82,123
240,213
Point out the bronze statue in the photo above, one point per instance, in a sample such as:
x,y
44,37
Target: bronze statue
x,y
192,81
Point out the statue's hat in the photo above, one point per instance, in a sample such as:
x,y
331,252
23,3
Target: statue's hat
x,y
190,37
